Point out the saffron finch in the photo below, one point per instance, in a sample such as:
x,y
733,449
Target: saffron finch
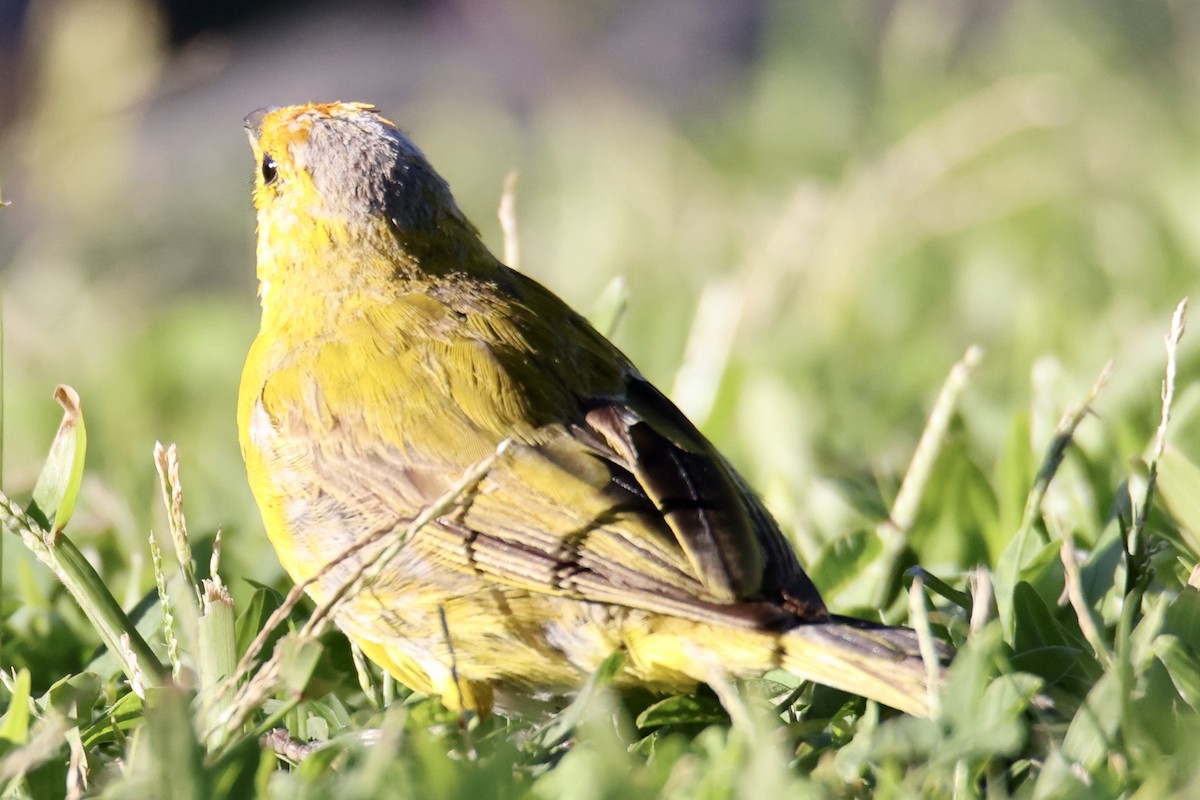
x,y
395,353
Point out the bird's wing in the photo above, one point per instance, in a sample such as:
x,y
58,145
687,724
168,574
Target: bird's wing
x,y
607,492
612,510
628,504
733,544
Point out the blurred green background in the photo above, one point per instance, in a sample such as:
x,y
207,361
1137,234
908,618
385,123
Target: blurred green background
x,y
816,208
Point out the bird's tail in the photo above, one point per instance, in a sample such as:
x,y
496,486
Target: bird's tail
x,y
868,659
875,661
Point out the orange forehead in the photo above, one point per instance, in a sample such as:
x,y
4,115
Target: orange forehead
x,y
277,129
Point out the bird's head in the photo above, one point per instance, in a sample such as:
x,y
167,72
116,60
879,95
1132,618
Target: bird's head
x,y
335,181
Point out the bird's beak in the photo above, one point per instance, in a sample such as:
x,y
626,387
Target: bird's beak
x,y
254,121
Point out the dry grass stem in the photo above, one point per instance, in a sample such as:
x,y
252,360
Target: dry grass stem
x,y
214,561
983,600
908,499
137,677
254,691
507,212
893,531
43,746
709,345
925,641
363,672
1172,339
280,742
1083,613
116,630
1064,433
166,462
77,767
168,610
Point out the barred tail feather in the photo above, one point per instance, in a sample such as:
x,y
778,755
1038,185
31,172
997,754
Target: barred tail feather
x,y
877,662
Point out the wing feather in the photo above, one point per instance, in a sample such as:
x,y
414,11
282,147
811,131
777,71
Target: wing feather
x,y
609,494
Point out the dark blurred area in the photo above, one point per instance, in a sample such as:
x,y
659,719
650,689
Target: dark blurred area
x,y
679,51
13,14
86,81
184,20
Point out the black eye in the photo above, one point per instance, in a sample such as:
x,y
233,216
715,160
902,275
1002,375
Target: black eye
x,y
269,173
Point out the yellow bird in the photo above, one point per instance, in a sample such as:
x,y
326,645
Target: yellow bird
x,y
395,352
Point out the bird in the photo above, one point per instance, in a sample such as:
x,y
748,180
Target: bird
x,y
395,353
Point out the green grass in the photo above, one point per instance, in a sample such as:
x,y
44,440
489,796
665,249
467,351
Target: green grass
x,y
804,265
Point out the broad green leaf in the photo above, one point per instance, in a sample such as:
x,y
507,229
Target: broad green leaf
x,y
235,775
957,508
693,709
330,712
320,761
1091,735
1059,779
1183,617
904,739
262,604
1179,485
1098,573
939,587
973,667
75,696
563,725
1036,626
609,306
1140,648
1042,646
784,678
1043,570
1008,696
976,667
218,655
1023,548
842,568
57,487
1015,473
1182,666
117,721
865,494
15,725
1030,560
107,616
299,659
172,756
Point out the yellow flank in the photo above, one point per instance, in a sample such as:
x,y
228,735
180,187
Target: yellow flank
x,y
394,354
